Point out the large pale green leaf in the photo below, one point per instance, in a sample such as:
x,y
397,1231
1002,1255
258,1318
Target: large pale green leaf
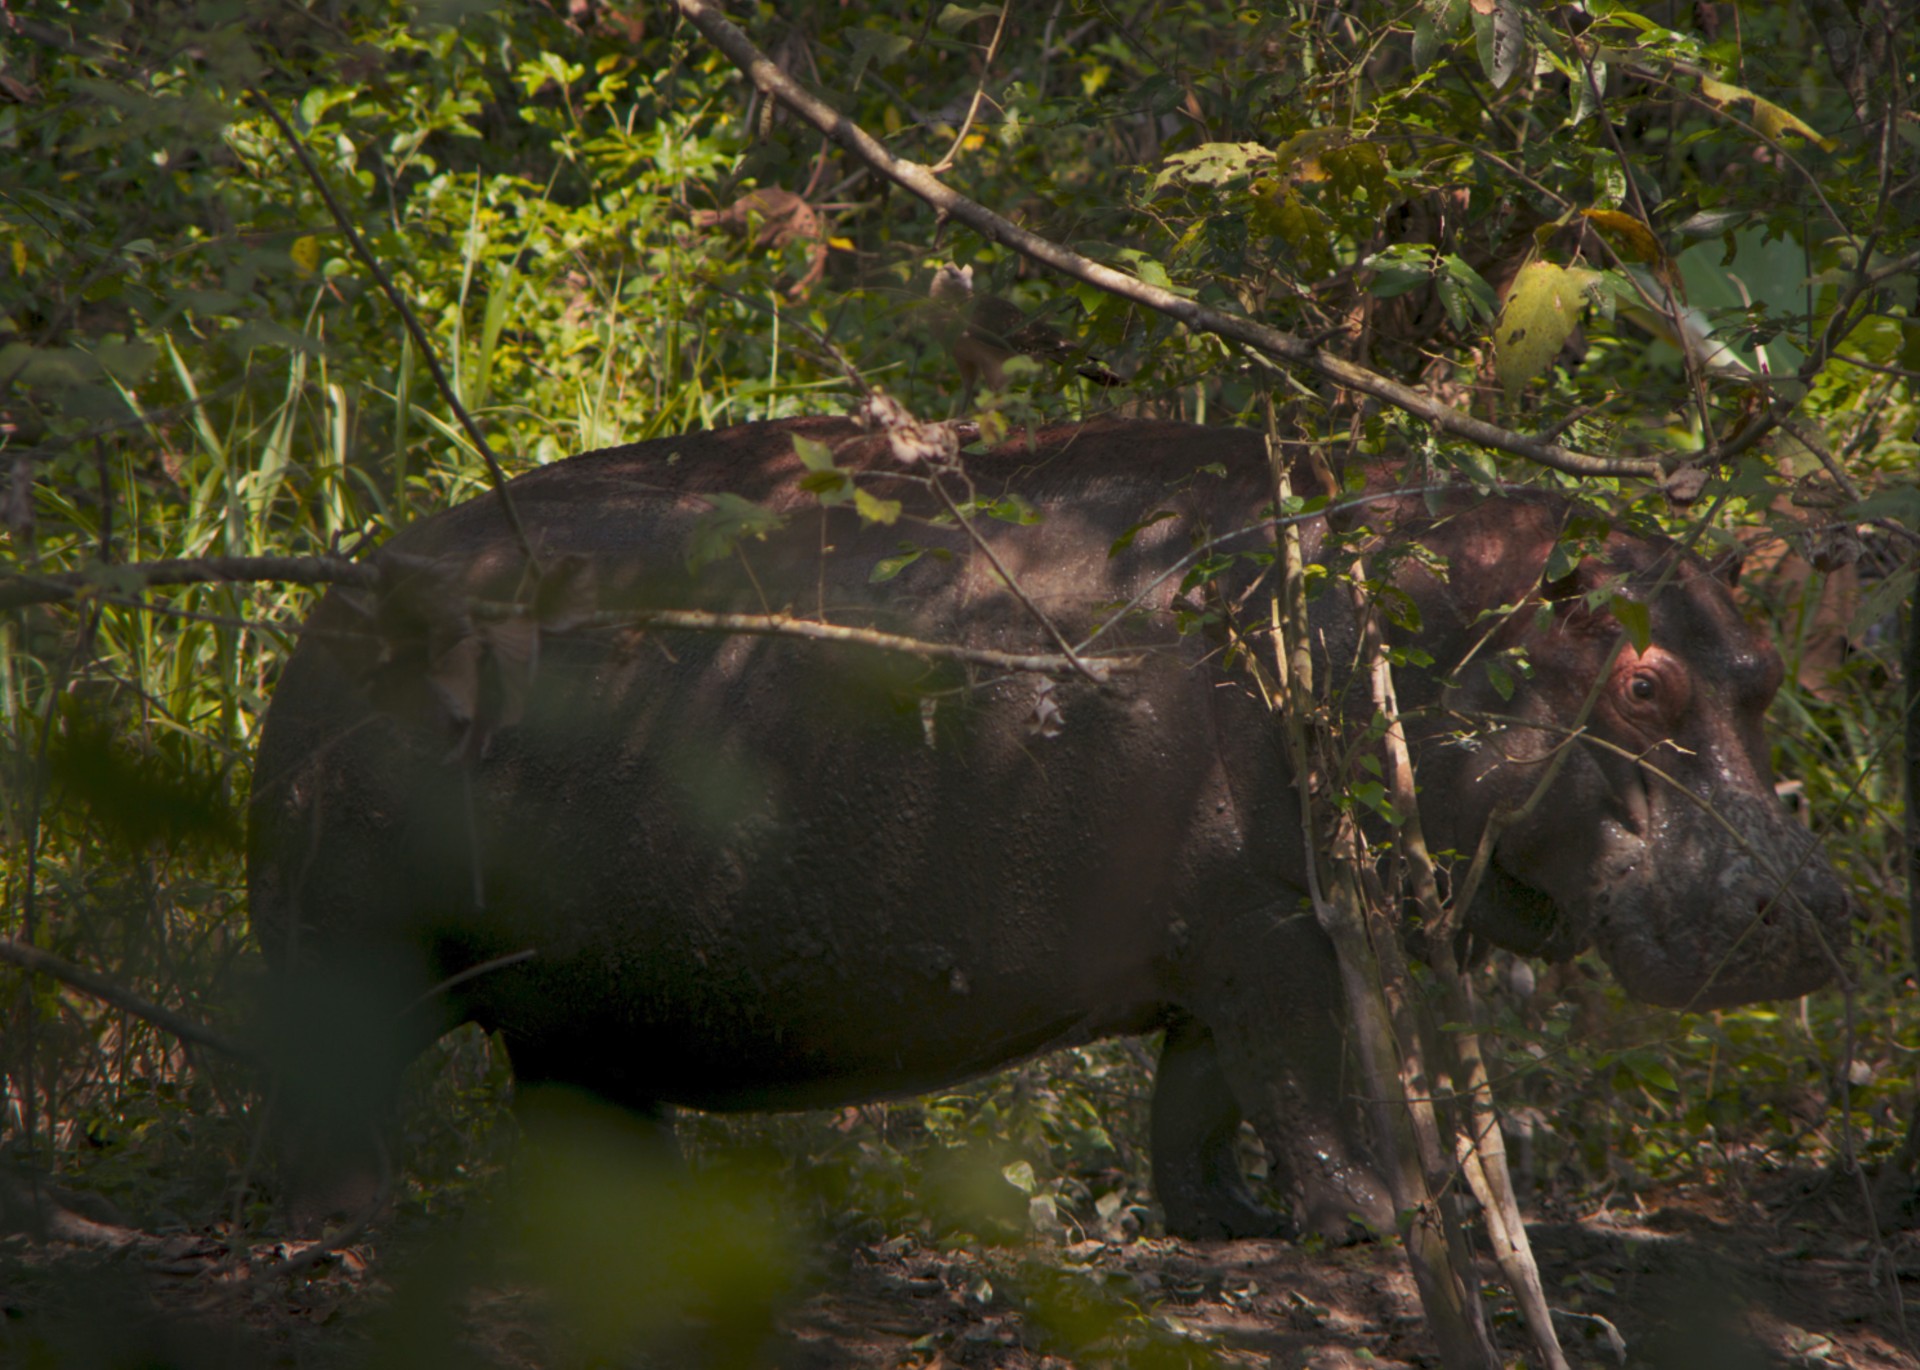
x,y
1500,36
1541,310
1211,164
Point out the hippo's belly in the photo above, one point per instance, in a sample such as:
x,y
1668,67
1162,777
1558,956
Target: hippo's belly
x,y
749,885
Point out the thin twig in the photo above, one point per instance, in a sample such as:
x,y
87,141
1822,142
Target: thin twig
x,y
22,590
1096,669
87,982
979,93
471,973
407,316
1812,441
1052,630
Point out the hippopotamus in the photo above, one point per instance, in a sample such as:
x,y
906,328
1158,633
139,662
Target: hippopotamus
x,y
751,870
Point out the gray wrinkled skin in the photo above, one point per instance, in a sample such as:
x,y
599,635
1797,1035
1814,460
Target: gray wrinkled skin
x,y
765,874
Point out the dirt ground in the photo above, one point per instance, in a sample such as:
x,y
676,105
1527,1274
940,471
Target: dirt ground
x,y
1687,1279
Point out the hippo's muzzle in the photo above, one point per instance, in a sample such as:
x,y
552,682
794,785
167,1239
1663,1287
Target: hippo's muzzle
x,y
1734,904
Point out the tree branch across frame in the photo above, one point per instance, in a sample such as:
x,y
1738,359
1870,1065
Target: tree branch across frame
x,y
1287,347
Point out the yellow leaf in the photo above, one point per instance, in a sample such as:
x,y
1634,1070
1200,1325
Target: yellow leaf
x,y
873,509
1541,310
840,244
1721,93
1303,227
1633,238
1357,166
1774,121
1299,157
306,254
19,257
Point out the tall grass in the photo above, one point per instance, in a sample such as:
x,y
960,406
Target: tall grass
x,y
282,410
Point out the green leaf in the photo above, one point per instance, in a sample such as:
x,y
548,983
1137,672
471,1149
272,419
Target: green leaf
x,y
256,333
1876,338
953,18
1500,37
1561,562
1374,795
1400,268
731,520
829,487
1475,463
1901,502
1465,293
49,366
1125,540
1649,1071
1012,509
1585,101
873,509
1636,618
1303,226
814,455
888,567
1426,42
1771,120
1882,602
127,362
877,46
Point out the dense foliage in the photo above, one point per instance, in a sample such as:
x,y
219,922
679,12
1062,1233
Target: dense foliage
x,y
1671,230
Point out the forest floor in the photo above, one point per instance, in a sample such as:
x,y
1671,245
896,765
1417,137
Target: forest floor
x,y
1686,1278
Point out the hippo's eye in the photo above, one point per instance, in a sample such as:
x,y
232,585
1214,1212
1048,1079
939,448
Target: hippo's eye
x,y
1642,688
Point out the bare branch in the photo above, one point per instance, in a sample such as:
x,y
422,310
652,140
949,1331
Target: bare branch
x,y
1094,668
33,958
369,575
21,590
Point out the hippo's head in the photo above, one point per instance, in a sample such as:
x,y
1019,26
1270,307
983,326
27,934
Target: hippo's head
x,y
1659,839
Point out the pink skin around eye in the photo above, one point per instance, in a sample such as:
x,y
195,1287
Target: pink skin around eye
x,y
1650,688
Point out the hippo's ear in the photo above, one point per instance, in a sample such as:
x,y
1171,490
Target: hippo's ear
x,y
1726,567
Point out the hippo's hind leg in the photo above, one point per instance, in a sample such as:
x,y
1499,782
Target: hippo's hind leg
x,y
1196,1122
1267,991
339,1041
547,1071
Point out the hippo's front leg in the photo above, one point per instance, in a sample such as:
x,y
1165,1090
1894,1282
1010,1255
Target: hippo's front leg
x,y
1196,1129
1269,1031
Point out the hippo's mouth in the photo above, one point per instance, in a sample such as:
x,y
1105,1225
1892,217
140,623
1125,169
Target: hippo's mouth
x,y
1524,920
1691,922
